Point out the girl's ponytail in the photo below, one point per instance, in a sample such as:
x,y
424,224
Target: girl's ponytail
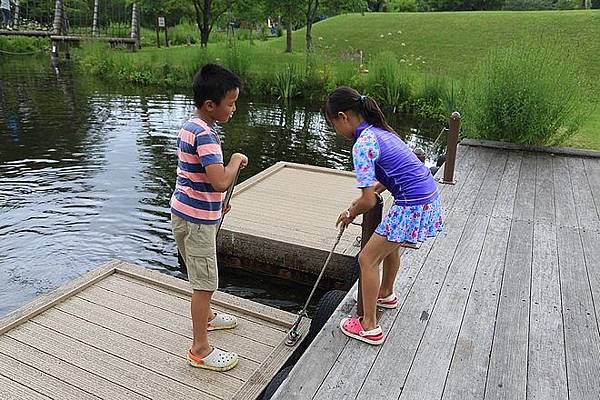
x,y
373,114
345,99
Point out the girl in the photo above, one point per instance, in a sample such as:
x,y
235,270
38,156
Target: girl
x,y
382,161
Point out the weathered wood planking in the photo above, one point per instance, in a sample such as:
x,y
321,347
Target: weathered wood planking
x,y
582,340
122,332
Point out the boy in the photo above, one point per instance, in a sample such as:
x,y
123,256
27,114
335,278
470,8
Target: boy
x,y
196,206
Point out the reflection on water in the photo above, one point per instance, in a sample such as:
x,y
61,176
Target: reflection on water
x,y
86,173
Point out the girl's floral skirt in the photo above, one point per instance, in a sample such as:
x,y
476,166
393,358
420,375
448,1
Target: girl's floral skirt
x,y
412,224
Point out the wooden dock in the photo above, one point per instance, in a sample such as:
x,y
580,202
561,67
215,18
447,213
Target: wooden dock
x,y
122,332
500,306
285,216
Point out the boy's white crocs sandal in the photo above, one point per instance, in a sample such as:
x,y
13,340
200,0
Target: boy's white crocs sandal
x,y
216,360
222,321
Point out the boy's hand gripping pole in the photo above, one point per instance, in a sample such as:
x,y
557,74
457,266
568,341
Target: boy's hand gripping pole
x,y
293,335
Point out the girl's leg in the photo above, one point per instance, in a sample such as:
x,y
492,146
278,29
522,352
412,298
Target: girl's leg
x,y
376,249
391,265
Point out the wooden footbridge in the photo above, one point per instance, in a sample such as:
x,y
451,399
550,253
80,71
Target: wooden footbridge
x,y
63,30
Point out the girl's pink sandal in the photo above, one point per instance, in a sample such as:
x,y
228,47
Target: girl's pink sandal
x,y
352,327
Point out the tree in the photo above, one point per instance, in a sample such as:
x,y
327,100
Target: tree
x,y
251,11
207,12
291,11
311,13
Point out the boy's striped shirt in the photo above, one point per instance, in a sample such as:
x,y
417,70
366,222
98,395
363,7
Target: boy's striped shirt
x,y
195,199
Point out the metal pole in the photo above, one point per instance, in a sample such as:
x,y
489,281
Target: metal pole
x,y
451,149
371,220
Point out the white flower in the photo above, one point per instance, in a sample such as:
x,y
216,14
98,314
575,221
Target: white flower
x,y
399,31
402,60
389,33
381,35
320,37
403,44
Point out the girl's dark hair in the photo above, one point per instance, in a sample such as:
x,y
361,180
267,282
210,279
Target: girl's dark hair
x,y
345,99
212,82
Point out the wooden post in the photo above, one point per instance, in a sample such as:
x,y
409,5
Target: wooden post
x,y
370,222
157,34
135,33
166,36
95,19
451,149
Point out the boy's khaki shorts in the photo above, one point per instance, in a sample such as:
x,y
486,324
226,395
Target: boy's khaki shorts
x,y
198,247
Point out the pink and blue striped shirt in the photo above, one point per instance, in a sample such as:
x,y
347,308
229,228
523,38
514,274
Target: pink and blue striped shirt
x,y
194,199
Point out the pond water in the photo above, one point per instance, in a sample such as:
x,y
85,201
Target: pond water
x,y
87,170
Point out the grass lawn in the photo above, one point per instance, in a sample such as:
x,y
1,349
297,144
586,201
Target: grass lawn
x,y
443,44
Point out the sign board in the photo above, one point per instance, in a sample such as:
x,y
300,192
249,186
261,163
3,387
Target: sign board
x,y
161,22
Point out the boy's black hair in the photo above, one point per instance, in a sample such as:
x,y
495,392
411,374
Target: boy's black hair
x,y
345,99
212,82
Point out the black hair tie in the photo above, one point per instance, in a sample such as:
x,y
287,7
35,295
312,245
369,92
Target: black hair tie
x,y
363,99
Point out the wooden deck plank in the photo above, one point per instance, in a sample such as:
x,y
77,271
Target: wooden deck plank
x,y
330,342
505,199
526,190
582,340
39,381
172,367
42,303
470,168
488,192
468,369
142,332
223,339
11,390
411,312
51,365
544,189
409,324
427,374
546,374
219,299
591,250
563,191
585,208
592,169
122,372
261,333
507,376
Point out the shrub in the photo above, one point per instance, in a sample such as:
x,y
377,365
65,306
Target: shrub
x,y
528,95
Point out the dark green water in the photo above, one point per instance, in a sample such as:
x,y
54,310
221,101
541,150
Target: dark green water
x,y
87,170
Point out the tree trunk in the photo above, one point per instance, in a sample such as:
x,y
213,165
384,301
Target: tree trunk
x,y
135,34
288,29
95,19
311,14
203,15
59,21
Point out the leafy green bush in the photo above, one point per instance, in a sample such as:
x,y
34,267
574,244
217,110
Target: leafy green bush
x,y
529,95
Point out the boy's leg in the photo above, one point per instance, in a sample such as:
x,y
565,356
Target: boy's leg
x,y
376,249
391,265
200,314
